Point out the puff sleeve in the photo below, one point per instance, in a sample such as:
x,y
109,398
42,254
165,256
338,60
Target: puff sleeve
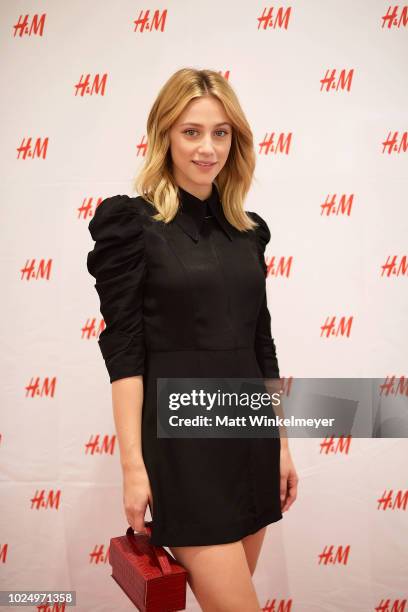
x,y
117,262
265,348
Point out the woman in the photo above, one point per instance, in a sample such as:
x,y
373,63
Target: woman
x,y
180,273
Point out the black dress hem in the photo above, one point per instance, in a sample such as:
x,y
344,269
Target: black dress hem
x,y
193,536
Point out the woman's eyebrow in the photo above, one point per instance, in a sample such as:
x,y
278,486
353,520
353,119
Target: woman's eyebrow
x,y
200,125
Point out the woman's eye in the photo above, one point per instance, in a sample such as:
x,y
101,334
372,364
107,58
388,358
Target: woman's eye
x,y
191,130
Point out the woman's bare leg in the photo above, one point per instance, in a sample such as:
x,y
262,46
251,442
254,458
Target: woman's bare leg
x,y
252,547
219,576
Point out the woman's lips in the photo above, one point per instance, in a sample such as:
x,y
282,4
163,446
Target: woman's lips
x,y
204,165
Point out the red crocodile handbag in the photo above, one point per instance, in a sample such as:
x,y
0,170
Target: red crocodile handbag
x,y
148,574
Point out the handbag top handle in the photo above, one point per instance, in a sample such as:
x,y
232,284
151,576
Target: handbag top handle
x,y
159,551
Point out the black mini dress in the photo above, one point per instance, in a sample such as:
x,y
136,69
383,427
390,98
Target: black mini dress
x,y
188,300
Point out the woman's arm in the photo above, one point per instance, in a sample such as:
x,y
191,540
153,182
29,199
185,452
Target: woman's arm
x,y
127,400
117,262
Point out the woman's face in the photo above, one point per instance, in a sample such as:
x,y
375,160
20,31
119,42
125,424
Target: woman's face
x,y
202,133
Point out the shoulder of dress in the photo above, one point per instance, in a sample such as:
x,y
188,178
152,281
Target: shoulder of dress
x,y
262,230
118,235
142,206
115,216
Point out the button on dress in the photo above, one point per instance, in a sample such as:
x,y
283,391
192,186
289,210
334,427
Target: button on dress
x,y
187,299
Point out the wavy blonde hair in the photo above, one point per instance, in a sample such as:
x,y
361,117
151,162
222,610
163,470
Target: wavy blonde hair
x,y
155,182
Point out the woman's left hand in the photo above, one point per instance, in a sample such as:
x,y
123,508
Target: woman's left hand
x,y
288,480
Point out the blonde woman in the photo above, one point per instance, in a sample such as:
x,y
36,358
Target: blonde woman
x,y
180,272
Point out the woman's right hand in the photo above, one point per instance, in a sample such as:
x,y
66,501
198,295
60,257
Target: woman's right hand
x,y
136,495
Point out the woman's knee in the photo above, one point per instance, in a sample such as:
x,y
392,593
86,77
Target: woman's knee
x,y
219,576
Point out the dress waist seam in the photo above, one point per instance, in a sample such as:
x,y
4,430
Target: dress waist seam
x,y
194,349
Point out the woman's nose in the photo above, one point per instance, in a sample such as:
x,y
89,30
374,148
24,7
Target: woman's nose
x,y
206,145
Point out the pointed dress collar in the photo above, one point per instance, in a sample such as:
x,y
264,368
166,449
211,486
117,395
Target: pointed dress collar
x,y
192,210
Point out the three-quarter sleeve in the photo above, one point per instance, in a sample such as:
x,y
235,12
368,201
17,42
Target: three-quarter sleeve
x,y
265,348
117,262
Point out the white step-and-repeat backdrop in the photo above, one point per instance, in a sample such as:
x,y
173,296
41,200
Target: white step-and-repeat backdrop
x,y
324,86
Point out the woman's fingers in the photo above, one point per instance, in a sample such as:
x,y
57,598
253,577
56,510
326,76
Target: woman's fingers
x,y
283,490
292,483
135,517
